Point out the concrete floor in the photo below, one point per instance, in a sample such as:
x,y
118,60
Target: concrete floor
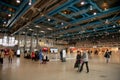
x,y
24,69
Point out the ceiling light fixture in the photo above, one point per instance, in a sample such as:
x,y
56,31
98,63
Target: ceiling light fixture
x,y
82,3
113,26
42,14
48,19
106,21
5,22
94,13
42,31
30,2
30,29
9,15
49,28
94,30
18,1
105,6
105,9
37,26
62,23
23,32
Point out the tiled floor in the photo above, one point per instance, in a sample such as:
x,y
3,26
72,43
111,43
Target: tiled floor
x,y
23,69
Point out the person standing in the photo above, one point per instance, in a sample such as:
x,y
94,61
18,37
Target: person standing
x,y
85,61
33,56
78,59
41,56
107,56
2,56
10,57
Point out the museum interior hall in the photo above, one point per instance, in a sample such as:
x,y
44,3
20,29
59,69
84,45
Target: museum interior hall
x,y
59,39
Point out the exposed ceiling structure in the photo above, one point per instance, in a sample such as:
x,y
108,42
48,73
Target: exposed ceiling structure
x,y
61,19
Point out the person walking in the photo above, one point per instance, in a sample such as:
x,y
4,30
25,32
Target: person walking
x,y
85,61
10,57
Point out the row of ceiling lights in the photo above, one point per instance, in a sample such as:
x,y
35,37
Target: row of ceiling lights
x,y
61,22
19,1
39,27
104,5
106,33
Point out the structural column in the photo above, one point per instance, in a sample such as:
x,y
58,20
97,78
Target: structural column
x,y
37,41
25,41
18,41
31,43
18,47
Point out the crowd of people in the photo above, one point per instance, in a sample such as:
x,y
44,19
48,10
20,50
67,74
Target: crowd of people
x,y
9,54
37,55
81,58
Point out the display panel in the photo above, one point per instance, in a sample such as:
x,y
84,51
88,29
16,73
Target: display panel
x,y
18,52
53,50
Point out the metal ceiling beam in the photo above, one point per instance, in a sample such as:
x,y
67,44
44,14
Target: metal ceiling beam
x,y
80,12
95,5
73,8
64,6
8,5
113,10
43,18
91,33
67,16
92,24
84,26
7,11
23,7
